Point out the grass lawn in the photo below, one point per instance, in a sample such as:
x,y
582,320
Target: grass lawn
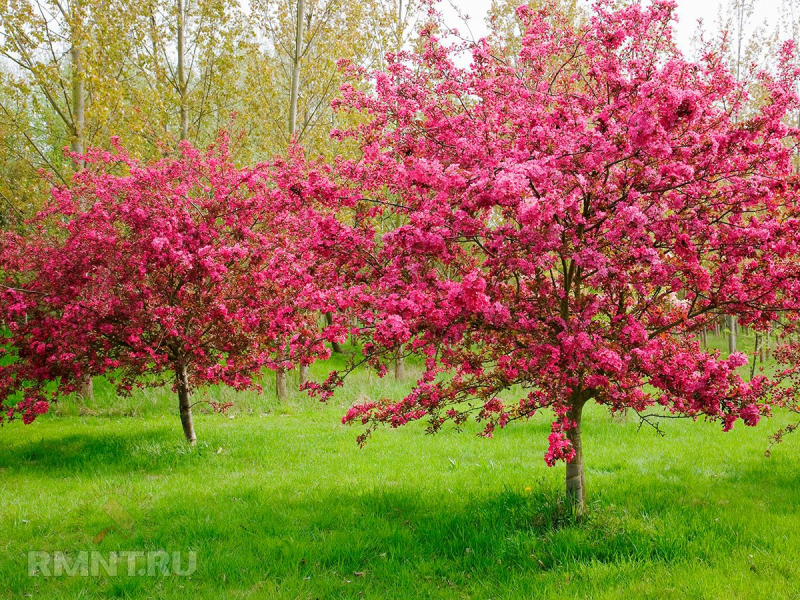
x,y
277,501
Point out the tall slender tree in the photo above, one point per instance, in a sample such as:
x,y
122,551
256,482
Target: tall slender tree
x,y
181,82
296,58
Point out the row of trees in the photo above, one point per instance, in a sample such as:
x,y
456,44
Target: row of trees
x,y
563,215
77,72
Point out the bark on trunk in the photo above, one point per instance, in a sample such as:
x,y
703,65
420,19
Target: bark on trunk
x,y
280,384
78,99
78,83
337,347
184,403
158,72
399,366
303,374
182,83
766,352
756,352
298,50
575,482
86,389
731,334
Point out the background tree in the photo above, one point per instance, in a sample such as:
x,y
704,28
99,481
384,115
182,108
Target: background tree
x,y
235,74
187,63
333,32
60,54
51,50
123,69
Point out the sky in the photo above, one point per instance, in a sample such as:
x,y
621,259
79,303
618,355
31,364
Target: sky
x,y
689,11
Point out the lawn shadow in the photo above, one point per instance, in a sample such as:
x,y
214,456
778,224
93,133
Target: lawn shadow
x,y
392,534
102,450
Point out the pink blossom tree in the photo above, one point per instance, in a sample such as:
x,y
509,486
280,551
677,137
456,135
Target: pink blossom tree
x,y
190,271
569,220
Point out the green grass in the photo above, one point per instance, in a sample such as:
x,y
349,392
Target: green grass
x,y
279,502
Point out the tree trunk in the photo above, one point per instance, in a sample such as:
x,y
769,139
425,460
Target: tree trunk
x,y
280,384
731,334
756,351
158,72
575,482
182,84
399,365
399,26
303,374
86,388
767,347
78,82
337,347
184,403
298,50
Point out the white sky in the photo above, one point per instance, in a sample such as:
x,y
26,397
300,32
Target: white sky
x,y
689,11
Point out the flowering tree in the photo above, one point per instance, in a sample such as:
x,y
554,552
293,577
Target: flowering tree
x,y
567,221
311,206
189,270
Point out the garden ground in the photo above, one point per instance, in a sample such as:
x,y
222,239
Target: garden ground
x,y
277,501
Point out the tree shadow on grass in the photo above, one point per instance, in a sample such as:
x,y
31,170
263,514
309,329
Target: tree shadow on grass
x,y
394,538
100,450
